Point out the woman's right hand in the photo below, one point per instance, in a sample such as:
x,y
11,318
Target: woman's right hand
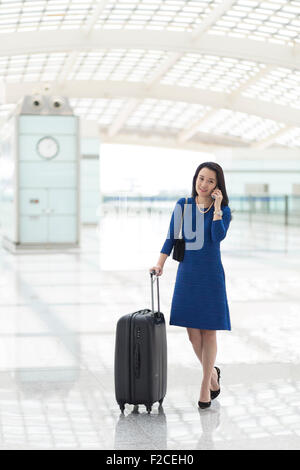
x,y
158,270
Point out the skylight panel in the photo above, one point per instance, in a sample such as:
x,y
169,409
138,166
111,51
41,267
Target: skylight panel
x,y
210,72
131,65
290,138
271,21
156,115
27,15
281,86
183,15
291,9
102,110
240,125
28,66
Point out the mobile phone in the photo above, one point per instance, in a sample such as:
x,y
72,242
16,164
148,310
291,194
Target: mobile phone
x,y
214,197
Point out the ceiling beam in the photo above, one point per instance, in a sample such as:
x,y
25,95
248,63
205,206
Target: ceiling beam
x,y
220,150
265,143
163,68
194,127
254,79
94,17
95,89
173,57
166,65
67,68
122,117
169,41
149,83
212,18
71,60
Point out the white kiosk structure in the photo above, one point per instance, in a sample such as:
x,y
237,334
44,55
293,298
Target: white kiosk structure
x,y
40,194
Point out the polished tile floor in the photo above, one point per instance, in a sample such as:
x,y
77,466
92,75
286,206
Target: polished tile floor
x,y
58,313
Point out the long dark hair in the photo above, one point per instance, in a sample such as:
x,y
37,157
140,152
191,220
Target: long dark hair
x,y
220,180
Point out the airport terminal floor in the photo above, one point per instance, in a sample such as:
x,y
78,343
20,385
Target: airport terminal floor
x,y
58,316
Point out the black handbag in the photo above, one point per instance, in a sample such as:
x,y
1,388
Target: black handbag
x,y
179,243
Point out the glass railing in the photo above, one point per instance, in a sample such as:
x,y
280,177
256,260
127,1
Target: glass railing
x,y
282,209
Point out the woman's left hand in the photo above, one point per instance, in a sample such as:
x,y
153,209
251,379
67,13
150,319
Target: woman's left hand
x,y
218,197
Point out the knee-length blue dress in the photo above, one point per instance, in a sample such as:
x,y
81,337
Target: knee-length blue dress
x,y
199,298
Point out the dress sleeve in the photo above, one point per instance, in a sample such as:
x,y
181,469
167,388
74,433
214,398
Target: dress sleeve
x,y
219,227
173,232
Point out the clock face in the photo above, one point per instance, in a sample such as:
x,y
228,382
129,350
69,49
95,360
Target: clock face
x,y
47,147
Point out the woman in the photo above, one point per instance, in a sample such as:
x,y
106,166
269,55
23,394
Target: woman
x,y
199,299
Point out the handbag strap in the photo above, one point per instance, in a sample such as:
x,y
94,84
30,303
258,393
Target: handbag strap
x,y
180,231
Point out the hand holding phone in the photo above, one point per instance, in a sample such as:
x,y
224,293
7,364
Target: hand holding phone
x,y
218,195
213,196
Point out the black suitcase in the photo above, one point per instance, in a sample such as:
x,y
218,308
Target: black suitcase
x,y
141,356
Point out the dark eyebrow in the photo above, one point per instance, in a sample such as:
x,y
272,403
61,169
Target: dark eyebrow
x,y
208,178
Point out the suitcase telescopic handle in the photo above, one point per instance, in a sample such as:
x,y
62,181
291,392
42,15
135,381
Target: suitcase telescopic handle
x,y
152,274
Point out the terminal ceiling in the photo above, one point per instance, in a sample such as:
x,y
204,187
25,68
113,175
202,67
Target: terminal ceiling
x,y
188,74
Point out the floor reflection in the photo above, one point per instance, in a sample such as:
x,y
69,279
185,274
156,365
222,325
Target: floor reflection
x,y
210,422
140,430
42,383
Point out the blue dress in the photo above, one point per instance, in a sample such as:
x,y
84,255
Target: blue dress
x,y
199,298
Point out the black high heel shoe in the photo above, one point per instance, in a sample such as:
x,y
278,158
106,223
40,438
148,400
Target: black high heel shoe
x,y
215,393
204,404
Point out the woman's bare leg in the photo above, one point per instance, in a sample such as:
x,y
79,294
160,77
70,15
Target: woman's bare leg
x,y
196,338
209,354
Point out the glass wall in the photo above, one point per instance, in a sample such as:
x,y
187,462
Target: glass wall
x,y
280,209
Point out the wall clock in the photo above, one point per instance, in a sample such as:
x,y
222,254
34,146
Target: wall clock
x,y
47,147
